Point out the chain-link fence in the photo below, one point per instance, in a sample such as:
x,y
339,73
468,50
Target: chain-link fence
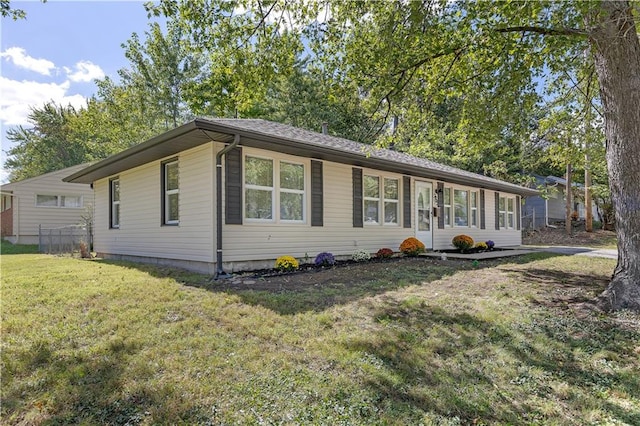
x,y
65,239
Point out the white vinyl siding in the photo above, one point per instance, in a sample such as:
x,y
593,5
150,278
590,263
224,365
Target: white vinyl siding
x,y
141,231
503,238
27,216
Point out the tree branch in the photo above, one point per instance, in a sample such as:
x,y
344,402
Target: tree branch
x,y
544,31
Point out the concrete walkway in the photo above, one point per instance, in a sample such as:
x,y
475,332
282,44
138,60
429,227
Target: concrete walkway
x,y
518,251
578,251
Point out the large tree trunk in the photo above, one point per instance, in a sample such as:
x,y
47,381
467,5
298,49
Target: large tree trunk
x,y
617,59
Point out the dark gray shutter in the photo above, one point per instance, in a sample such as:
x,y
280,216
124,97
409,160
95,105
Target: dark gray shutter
x,y
483,222
357,198
406,201
518,212
440,191
233,190
497,211
317,206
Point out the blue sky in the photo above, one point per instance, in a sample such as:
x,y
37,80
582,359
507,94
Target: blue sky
x,y
58,51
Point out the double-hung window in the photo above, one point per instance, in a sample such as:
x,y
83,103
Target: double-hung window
x,y
474,208
267,198
461,207
506,212
371,199
114,196
171,193
391,201
381,198
446,194
291,192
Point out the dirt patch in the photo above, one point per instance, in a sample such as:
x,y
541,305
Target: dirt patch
x,y
340,274
559,237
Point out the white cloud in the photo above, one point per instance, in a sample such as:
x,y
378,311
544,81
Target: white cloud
x,y
85,71
19,57
16,98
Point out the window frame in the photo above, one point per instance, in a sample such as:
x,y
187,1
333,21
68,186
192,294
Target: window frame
x,y
506,214
276,189
282,190
473,209
386,200
466,208
381,199
449,191
166,193
447,206
113,203
59,201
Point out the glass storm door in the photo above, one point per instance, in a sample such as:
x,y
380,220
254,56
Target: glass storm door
x,y
424,213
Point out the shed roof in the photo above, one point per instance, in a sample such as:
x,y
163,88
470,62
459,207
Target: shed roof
x,y
287,139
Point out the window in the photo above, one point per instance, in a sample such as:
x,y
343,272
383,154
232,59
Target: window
x,y
258,197
371,199
474,208
391,201
61,201
461,207
261,189
381,195
291,192
447,206
171,193
114,195
506,211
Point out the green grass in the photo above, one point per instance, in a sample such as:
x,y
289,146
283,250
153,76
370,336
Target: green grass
x,y
8,248
93,342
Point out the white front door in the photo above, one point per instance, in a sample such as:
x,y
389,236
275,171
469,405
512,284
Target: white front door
x,y
424,213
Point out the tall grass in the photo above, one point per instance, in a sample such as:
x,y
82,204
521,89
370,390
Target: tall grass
x,y
93,342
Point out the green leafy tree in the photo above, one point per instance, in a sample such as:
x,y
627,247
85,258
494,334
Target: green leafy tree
x,y
47,146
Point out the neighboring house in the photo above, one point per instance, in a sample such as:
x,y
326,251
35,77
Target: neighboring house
x,y
552,209
283,190
43,200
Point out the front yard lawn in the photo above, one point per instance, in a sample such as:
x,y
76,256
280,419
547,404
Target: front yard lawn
x,y
408,342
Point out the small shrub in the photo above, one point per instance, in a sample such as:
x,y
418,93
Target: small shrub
x,y
462,242
360,255
286,264
384,253
412,246
325,259
490,244
481,246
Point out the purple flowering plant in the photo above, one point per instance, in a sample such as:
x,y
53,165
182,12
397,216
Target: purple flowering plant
x,y
325,259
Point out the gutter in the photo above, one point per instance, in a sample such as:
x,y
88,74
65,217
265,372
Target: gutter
x,y
220,273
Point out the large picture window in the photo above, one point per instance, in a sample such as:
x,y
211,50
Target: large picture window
x,y
261,188
171,193
114,196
